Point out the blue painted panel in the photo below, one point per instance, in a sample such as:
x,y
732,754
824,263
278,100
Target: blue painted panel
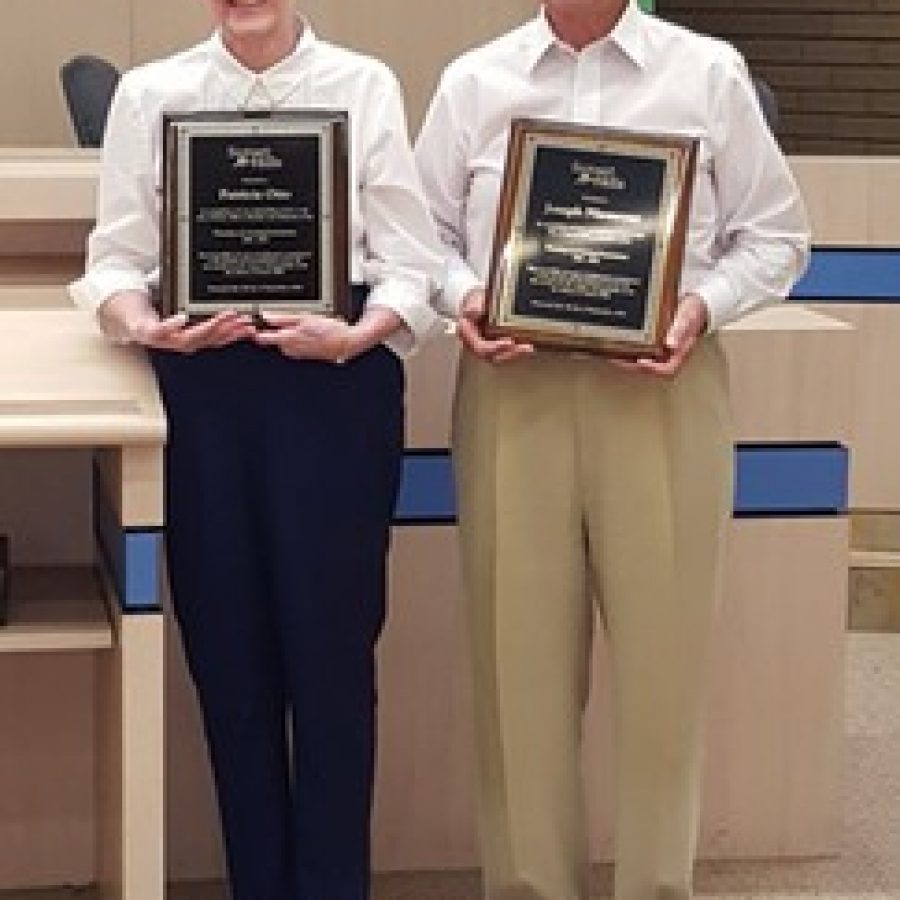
x,y
851,275
791,480
770,480
427,490
133,557
143,567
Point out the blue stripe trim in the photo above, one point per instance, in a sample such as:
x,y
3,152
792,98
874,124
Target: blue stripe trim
x,y
132,556
143,558
851,275
774,480
427,493
791,480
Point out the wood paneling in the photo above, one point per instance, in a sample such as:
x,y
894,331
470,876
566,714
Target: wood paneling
x,y
834,66
808,351
46,770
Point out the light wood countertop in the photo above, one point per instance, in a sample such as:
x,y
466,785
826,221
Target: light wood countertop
x,y
48,184
63,384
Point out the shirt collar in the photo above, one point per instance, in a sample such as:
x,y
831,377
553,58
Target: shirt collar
x,y
274,83
628,35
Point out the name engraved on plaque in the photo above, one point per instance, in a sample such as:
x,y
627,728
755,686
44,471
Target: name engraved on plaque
x,y
571,228
254,229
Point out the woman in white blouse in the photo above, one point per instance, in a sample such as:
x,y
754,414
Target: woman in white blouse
x,y
284,454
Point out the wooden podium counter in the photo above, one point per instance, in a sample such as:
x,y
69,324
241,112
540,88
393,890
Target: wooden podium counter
x,y
46,210
855,277
64,388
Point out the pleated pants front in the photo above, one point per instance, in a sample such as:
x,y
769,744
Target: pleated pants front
x,y
580,484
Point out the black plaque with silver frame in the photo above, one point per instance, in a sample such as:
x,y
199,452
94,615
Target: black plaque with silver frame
x,y
255,213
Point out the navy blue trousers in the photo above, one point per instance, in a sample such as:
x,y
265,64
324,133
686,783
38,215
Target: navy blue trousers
x,y
281,481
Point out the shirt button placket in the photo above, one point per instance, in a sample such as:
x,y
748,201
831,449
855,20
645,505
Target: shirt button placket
x,y
259,97
585,71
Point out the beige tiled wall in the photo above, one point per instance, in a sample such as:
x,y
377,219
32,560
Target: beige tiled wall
x,y
416,39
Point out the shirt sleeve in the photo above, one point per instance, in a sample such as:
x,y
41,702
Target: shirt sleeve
x,y
403,260
763,229
123,248
441,157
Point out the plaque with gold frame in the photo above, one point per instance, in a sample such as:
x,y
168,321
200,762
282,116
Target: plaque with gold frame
x,y
590,238
255,213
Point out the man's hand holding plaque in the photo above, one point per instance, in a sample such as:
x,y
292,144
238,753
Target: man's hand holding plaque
x,y
470,326
689,325
590,238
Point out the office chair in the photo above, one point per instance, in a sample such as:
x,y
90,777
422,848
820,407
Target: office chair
x,y
88,85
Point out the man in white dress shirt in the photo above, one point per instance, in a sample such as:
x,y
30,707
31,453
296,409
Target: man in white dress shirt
x,y
577,473
284,453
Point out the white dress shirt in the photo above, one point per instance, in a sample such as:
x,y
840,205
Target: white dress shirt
x,y
748,237
394,247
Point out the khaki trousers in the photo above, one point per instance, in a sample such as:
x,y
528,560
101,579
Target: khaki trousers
x,y
579,481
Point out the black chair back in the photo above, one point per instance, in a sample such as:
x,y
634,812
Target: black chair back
x,y
88,85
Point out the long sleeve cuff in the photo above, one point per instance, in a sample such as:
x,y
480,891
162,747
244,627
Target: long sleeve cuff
x,y
91,291
459,279
406,298
717,293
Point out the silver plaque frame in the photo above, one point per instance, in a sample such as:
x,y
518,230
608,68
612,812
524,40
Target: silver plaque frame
x,y
327,290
